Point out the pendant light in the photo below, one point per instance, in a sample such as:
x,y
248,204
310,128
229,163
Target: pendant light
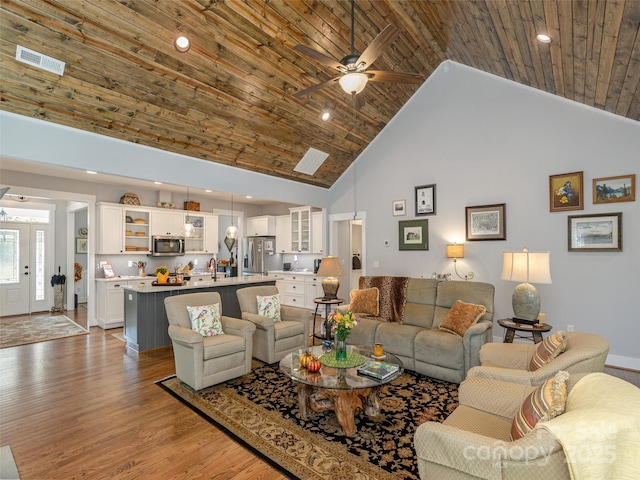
x,y
232,230
187,228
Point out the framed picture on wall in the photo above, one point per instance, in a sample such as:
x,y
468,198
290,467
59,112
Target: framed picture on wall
x,y
595,232
399,208
426,200
413,234
82,245
566,192
487,222
614,189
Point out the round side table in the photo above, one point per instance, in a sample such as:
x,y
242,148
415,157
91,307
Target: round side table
x,y
512,327
327,310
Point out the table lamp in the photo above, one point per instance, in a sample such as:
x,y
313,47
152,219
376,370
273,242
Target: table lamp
x,y
330,268
527,267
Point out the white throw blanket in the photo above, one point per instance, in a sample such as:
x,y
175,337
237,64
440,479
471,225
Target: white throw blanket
x,y
600,430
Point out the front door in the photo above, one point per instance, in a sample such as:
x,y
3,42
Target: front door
x,y
25,264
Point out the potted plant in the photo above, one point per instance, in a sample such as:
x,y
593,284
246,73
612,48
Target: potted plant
x,y
342,323
162,274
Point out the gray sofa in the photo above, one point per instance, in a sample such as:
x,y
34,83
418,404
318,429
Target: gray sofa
x,y
418,342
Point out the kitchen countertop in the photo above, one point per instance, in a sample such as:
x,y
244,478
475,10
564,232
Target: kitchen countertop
x,y
292,272
201,283
120,278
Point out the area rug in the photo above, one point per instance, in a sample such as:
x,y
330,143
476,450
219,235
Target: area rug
x,y
14,332
260,410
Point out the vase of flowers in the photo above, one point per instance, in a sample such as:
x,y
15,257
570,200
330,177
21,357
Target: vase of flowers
x,y
162,274
341,324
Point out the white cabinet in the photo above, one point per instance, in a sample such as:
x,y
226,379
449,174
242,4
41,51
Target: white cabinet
x,y
122,229
110,301
293,291
283,234
261,226
300,229
167,222
110,220
205,233
312,289
317,232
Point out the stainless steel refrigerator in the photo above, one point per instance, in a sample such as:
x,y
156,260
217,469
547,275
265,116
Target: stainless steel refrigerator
x,y
255,250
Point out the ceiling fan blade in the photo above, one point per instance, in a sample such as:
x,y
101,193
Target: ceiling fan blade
x,y
318,57
358,100
396,77
315,87
379,44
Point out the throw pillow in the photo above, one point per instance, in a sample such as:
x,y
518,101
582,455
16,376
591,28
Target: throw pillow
x,y
269,306
544,403
461,316
206,320
365,301
547,350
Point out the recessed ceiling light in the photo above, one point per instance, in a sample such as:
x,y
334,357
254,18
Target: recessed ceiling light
x,y
208,191
91,172
182,44
158,183
543,38
325,116
248,196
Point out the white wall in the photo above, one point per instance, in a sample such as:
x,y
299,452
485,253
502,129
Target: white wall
x,y
484,140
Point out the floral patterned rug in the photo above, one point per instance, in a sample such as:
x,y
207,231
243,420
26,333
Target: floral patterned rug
x,y
260,409
14,332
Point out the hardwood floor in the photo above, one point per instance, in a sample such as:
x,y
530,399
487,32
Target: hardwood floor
x,y
85,407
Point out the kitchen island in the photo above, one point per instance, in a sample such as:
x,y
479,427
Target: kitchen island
x,y
145,321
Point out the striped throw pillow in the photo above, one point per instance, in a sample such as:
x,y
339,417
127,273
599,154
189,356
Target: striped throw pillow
x,y
547,350
544,403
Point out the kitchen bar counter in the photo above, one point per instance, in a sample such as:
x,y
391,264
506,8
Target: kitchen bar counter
x,y
145,321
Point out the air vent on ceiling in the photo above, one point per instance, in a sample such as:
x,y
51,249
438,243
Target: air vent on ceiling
x,y
33,58
311,161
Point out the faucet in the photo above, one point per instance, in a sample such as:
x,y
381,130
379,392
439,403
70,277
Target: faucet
x,y
215,268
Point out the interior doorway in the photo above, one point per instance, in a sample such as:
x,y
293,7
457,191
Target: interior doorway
x,y
347,238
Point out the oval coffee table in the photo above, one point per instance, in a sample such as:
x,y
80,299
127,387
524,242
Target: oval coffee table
x,y
342,390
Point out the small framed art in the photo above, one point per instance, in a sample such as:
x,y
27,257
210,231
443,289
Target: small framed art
x,y
413,234
566,192
426,200
487,222
614,189
399,208
82,245
595,233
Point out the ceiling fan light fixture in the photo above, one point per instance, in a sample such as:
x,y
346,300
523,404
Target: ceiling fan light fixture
x,y
353,82
182,44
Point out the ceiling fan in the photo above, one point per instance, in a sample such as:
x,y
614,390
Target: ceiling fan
x,y
353,68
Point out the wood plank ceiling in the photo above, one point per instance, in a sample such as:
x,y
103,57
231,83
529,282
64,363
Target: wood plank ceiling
x,y
229,98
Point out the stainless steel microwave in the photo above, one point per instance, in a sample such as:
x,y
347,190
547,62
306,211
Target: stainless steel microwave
x,y
164,246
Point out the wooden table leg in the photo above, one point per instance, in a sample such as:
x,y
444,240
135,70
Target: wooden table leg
x,y
508,335
537,337
303,399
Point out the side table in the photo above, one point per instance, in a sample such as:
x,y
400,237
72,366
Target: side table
x,y
513,327
327,310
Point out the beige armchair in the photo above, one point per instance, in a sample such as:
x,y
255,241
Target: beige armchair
x,y
474,442
205,361
509,362
274,340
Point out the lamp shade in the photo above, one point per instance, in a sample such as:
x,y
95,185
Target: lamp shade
x,y
232,231
455,251
330,268
353,82
525,266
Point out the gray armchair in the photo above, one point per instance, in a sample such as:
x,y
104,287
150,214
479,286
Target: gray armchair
x,y
205,361
509,362
274,340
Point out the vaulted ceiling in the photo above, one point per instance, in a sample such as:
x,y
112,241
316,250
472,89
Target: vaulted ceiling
x,y
229,99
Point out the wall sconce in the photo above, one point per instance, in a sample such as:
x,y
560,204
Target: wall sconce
x,y
456,251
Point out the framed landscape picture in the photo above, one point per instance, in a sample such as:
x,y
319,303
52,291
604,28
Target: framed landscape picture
x,y
426,200
399,208
487,222
566,192
595,233
614,189
413,234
